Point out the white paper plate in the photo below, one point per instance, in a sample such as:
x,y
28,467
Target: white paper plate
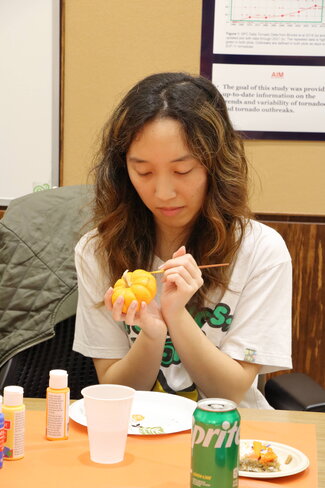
x,y
152,413
298,463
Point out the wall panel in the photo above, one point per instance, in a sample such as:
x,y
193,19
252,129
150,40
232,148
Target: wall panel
x,y
306,243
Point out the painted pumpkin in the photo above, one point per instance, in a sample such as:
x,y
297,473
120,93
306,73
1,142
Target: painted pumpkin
x,y
138,285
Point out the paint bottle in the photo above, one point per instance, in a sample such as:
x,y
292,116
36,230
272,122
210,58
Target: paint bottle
x,y
14,427
57,406
2,432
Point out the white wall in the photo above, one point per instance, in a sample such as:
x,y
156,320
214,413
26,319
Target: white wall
x,y
29,96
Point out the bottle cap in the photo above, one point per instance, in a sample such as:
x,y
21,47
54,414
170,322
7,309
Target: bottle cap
x,y
58,379
13,395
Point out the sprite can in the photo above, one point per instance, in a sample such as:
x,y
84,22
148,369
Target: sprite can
x,y
215,444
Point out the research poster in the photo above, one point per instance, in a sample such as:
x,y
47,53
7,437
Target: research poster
x,y
267,58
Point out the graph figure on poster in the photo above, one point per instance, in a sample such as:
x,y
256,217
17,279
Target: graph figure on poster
x,y
278,11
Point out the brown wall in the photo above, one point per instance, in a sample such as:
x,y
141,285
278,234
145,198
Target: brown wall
x,y
306,244
110,44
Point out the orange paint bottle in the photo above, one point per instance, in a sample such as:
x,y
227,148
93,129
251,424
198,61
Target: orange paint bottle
x,y
57,406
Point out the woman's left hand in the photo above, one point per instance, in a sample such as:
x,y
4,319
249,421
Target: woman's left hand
x,y
181,280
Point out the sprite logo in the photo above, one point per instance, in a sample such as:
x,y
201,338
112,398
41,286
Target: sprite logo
x,y
216,437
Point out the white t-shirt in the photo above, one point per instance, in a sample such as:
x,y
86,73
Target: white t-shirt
x,y
251,321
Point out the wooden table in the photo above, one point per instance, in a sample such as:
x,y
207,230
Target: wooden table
x,y
278,416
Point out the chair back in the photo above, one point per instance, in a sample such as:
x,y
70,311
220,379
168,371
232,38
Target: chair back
x,y
30,368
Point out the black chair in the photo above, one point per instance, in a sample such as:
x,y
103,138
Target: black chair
x,y
30,368
295,391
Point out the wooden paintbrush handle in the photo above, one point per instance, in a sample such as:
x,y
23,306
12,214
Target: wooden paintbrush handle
x,y
201,267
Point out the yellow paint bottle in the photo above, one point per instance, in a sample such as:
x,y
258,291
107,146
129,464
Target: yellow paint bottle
x,y
57,406
13,410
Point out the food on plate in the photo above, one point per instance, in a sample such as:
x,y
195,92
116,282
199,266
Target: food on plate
x,y
137,417
288,459
138,285
259,458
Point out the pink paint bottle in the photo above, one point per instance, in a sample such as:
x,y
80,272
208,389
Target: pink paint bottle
x,y
2,432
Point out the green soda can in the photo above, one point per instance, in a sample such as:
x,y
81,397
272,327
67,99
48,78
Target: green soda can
x,y
215,444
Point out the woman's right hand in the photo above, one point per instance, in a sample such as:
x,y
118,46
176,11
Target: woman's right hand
x,y
149,317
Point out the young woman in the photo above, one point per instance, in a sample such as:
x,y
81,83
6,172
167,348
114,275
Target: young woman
x,y
171,192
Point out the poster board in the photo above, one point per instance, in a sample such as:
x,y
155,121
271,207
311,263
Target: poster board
x,y
268,61
29,96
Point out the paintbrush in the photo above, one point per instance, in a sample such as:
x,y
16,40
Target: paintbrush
x,y
201,267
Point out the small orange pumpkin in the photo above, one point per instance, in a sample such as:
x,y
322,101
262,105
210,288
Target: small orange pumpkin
x,y
138,285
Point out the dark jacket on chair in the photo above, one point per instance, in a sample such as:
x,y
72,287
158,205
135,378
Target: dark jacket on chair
x,y
38,282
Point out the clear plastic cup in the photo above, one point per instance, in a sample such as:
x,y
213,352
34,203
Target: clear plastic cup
x,y
108,409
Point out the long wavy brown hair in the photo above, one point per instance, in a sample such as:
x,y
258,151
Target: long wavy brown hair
x,y
125,226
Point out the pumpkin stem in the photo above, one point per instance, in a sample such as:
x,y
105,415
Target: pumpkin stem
x,y
126,278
